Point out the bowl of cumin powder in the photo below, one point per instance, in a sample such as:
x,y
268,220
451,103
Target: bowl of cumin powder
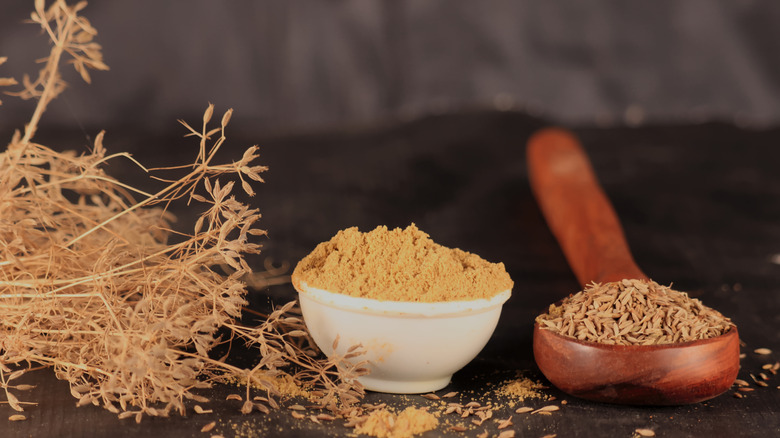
x,y
416,311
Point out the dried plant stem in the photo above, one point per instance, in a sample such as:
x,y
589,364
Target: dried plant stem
x,y
51,70
90,286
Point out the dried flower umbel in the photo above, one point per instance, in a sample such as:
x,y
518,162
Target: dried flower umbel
x,y
92,287
633,312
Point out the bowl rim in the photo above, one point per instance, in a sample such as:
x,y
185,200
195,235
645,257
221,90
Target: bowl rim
x,y
402,308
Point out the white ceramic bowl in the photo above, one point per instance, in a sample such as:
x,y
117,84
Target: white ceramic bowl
x,y
410,347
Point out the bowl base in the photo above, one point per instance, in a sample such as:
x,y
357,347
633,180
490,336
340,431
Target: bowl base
x,y
403,387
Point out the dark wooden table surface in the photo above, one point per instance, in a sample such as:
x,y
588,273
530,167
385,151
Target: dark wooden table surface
x,y
700,206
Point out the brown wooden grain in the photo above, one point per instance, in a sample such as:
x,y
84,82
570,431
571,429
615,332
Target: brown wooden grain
x,y
576,209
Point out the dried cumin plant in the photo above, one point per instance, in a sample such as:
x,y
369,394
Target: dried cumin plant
x,y
91,285
284,342
4,82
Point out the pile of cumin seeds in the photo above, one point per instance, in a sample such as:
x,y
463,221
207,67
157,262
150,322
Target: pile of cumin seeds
x,y
633,312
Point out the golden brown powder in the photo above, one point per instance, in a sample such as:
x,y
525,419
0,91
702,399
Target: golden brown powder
x,y
399,265
288,387
285,385
521,388
411,421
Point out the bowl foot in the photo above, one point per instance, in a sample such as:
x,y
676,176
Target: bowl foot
x,y
403,387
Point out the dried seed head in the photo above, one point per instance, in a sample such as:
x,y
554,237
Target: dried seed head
x,y
123,313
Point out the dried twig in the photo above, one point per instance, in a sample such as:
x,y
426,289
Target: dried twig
x,y
92,287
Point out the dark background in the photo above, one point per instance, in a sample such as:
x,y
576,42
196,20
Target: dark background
x,y
311,64
372,113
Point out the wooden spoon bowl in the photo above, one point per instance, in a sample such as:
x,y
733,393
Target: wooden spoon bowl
x,y
667,374
583,221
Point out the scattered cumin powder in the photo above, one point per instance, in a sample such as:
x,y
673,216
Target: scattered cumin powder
x,y
399,265
411,421
285,385
522,388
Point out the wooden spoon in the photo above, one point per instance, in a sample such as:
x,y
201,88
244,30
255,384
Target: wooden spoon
x,y
585,224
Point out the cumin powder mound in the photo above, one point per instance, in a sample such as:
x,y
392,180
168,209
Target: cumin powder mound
x,y
384,424
399,265
634,312
522,388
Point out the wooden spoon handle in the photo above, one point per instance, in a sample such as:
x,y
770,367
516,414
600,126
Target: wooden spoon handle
x,y
576,209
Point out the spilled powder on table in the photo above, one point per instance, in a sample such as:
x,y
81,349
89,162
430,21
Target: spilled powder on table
x,y
399,265
521,388
284,384
383,423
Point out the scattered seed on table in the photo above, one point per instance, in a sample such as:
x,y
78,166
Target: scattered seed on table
x,y
450,394
741,382
200,410
762,351
645,432
234,397
524,409
208,427
503,424
549,408
431,396
17,417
